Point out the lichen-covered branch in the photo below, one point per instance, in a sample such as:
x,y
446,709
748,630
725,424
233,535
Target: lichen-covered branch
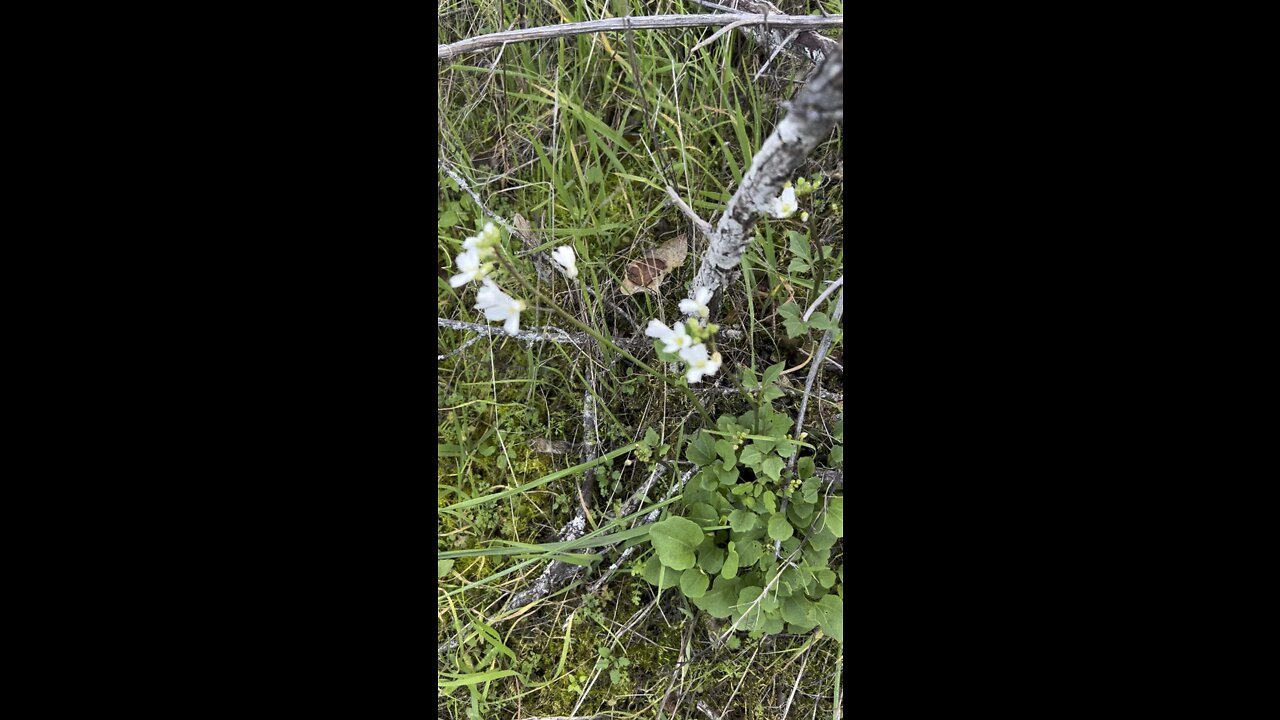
x,y
810,118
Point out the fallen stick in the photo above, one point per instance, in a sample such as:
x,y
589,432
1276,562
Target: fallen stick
x,y
644,22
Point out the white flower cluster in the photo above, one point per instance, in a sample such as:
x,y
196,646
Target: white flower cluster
x,y
681,342
473,262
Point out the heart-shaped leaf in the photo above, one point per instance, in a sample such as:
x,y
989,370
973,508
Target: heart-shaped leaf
x,y
675,540
694,584
779,528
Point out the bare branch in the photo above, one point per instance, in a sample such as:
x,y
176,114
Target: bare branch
x,y
825,294
646,22
701,224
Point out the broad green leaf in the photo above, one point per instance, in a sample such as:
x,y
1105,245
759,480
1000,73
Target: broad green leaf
x,y
826,578
772,374
675,539
789,310
444,566
694,584
830,613
820,321
749,552
797,610
835,516
727,477
742,520
797,266
779,528
799,245
718,603
655,573
703,514
710,558
702,450
770,501
837,456
749,380
772,467
773,392
805,468
751,456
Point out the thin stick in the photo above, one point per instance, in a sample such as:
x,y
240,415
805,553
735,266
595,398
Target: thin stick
x,y
701,224
646,22
825,294
785,42
463,184
716,35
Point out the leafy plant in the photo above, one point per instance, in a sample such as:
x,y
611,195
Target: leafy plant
x,y
741,505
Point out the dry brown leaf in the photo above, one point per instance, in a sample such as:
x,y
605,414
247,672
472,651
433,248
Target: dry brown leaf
x,y
648,272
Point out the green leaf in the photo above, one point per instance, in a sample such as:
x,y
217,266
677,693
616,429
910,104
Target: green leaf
x,y
820,321
655,573
742,520
703,514
675,540
728,477
702,450
447,220
749,552
837,455
724,449
749,380
730,567
694,584
835,516
830,614
795,327
779,528
789,310
826,578
772,466
444,566
651,438
751,456
773,392
710,558
805,468
770,500
799,245
797,610
718,603
797,266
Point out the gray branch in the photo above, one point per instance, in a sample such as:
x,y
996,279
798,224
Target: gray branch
x,y
811,118
646,22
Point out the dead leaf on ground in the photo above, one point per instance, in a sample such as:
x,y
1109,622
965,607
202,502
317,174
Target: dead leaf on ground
x,y
648,272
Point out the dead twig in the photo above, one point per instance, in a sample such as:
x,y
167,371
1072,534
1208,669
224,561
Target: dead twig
x,y
645,22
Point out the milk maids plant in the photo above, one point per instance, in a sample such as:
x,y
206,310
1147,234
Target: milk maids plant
x,y
474,263
685,342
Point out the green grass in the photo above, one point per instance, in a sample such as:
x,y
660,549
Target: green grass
x,y
575,137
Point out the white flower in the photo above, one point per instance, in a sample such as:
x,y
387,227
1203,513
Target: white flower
x,y
564,257
698,305
483,242
699,363
785,204
675,340
469,263
498,305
